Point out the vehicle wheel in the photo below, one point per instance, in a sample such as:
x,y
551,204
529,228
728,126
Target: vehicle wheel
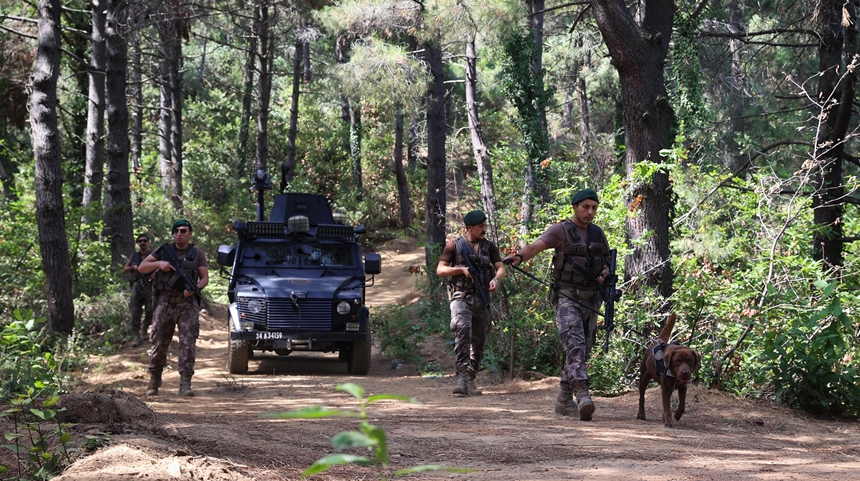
x,y
237,357
250,351
238,353
359,359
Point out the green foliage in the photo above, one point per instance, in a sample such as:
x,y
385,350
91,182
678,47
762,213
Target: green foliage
x,y
403,328
811,358
26,357
39,441
526,91
371,437
688,95
103,322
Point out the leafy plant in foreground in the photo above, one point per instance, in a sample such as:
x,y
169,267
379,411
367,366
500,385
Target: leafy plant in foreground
x,y
369,436
40,442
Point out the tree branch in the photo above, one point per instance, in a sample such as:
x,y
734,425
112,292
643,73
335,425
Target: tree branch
x,y
737,172
557,7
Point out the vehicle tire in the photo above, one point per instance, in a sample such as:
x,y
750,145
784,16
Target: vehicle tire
x,y
359,359
238,353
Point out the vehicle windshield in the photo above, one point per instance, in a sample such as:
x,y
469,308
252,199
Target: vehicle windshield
x,y
311,253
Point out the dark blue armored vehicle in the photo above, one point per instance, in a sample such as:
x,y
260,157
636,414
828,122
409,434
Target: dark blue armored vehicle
x,y
297,284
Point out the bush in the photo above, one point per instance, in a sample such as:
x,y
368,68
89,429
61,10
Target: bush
x,y
810,359
27,359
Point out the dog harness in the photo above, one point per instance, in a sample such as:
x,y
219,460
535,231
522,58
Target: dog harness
x,y
657,352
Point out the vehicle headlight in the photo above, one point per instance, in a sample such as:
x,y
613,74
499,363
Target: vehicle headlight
x,y
256,305
343,308
246,326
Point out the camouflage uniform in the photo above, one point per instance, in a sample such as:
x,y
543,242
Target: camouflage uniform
x,y
577,330
471,323
470,320
140,305
172,310
169,314
140,301
577,325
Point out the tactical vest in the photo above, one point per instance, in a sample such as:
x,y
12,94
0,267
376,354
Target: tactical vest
x,y
481,261
590,256
136,259
162,279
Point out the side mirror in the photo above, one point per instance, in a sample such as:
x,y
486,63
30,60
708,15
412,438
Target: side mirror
x,y
372,264
226,255
360,229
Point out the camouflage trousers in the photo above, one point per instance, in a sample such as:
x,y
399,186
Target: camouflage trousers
x,y
577,330
140,305
184,314
471,324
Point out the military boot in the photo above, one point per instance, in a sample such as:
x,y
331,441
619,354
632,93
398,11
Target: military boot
x,y
136,341
564,404
583,401
473,388
185,384
461,386
154,383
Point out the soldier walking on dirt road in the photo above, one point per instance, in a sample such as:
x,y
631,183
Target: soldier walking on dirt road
x,y
175,304
140,302
475,268
580,258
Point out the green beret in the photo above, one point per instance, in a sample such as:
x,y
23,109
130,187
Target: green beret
x,y
180,223
584,194
474,218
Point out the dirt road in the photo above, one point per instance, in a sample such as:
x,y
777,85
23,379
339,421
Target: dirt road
x,y
509,433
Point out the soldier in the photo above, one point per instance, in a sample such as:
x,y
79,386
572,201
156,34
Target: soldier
x,y
140,302
580,257
175,305
470,319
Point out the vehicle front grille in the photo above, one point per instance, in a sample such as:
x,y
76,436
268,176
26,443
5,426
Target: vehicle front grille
x,y
310,314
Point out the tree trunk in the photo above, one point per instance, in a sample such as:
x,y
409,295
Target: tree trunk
x,y
7,178
638,53
341,47
53,245
118,217
734,157
306,56
412,145
289,168
164,124
137,95
585,116
95,156
479,149
837,94
355,148
400,173
263,30
247,96
436,201
176,126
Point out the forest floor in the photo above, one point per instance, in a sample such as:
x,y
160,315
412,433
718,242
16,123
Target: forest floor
x,y
509,433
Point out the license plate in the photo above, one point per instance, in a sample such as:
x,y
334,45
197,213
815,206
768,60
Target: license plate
x,y
270,335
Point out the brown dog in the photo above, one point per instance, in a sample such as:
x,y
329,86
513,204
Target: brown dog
x,y
679,365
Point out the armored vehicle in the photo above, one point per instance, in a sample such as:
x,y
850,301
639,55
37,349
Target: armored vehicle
x,y
297,284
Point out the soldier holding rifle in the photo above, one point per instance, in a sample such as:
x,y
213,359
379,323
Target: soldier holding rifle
x,y
474,266
580,267
182,273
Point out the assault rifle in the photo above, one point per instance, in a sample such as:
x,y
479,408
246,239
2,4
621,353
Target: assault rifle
x,y
180,273
477,276
610,293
